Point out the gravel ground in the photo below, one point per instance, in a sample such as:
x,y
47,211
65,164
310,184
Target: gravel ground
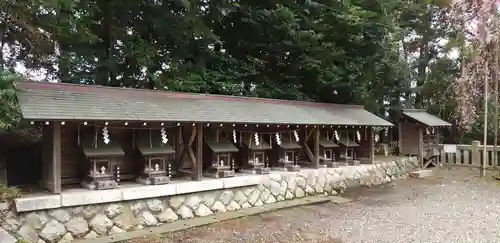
x,y
452,206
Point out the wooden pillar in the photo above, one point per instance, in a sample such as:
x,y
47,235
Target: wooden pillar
x,y
400,137
371,142
198,166
179,150
3,169
316,147
421,146
51,169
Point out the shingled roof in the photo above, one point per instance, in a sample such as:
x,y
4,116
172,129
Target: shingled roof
x,y
57,101
425,118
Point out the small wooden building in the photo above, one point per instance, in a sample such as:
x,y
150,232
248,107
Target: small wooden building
x,y
329,149
256,153
220,155
287,149
90,129
419,133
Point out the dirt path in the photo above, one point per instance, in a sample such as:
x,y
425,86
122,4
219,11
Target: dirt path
x,y
453,206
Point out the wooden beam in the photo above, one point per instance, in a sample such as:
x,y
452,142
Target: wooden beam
x,y
421,146
179,148
198,168
52,158
189,147
372,144
316,147
400,137
306,146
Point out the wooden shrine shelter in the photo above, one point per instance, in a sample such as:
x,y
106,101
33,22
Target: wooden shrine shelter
x,y
419,134
286,148
103,136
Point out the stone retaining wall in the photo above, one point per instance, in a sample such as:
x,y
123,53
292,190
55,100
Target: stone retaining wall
x,y
92,221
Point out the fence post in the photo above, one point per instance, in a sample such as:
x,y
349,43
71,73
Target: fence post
x,y
475,155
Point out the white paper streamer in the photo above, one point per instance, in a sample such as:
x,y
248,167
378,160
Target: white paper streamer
x,y
105,135
296,135
256,137
234,137
278,138
164,138
336,135
358,136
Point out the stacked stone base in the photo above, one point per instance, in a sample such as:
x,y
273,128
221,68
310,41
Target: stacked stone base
x,y
92,221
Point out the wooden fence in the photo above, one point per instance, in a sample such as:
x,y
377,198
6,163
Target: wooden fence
x,y
471,156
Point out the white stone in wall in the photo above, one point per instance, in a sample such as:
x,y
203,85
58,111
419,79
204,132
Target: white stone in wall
x,y
6,237
264,195
126,219
113,210
258,203
248,191
91,235
240,197
76,210
148,219
246,205
275,188
270,199
193,201
101,224
283,187
299,193
10,223
209,198
167,216
219,207
203,210
233,206
185,212
226,196
309,190
115,230
27,233
52,231
36,219
291,182
289,195
90,211
67,238
275,177
301,182
252,198
176,201
60,215
40,241
155,205
77,226
280,198
137,207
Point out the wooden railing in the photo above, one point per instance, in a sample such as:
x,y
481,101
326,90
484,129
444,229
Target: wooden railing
x,y
470,155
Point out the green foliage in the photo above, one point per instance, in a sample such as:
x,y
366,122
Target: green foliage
x,y
9,109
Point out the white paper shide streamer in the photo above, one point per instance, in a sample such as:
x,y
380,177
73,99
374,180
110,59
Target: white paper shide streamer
x,y
358,135
164,138
256,137
278,138
336,135
105,135
296,135
234,137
